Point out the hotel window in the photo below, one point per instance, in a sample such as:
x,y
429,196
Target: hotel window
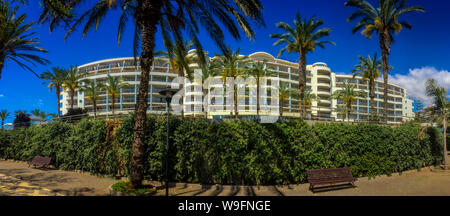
x,y
283,69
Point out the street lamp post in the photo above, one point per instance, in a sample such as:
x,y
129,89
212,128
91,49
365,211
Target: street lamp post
x,y
167,94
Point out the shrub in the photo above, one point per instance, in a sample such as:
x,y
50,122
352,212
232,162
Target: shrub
x,y
230,152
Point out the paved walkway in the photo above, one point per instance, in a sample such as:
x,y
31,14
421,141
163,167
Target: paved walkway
x,y
20,180
17,179
11,186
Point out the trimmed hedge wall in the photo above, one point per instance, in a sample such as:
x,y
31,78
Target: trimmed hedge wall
x,y
232,152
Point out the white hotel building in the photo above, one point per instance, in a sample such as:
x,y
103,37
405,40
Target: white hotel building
x,y
320,79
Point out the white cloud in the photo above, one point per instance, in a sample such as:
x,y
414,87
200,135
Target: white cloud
x,y
1,95
39,103
414,82
341,73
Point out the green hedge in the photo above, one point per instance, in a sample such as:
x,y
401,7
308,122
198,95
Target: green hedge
x,y
231,152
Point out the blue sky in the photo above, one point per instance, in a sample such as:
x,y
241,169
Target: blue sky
x,y
418,53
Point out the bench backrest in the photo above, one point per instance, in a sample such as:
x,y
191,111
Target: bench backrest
x,y
333,173
41,160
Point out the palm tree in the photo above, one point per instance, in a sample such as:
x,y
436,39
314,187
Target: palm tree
x,y
383,21
17,39
307,100
39,113
72,83
179,59
20,112
55,79
284,92
113,86
209,71
92,91
302,38
172,18
369,68
342,110
258,71
232,65
438,112
348,95
3,115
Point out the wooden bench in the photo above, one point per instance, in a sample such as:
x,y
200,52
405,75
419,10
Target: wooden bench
x,y
40,161
330,177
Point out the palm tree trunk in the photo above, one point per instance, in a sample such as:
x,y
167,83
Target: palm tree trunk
x,y
349,107
372,96
58,93
257,96
148,16
181,74
71,94
95,108
205,108
113,103
236,114
445,141
385,45
281,107
302,79
3,123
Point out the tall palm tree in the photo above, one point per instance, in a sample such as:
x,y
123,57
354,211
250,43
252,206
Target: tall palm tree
x,y
233,65
302,38
3,115
92,91
369,68
348,95
55,80
113,86
438,112
72,82
17,39
258,70
209,70
173,18
382,20
284,92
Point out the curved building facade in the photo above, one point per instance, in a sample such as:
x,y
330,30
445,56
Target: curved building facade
x,y
320,79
